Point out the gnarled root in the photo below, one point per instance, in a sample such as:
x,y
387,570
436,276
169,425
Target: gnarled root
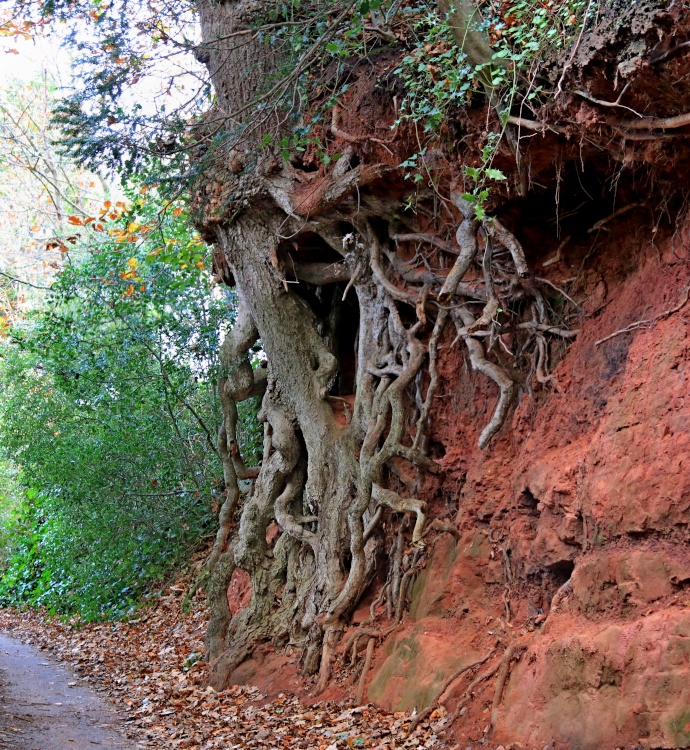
x,y
402,505
367,663
479,362
325,483
466,237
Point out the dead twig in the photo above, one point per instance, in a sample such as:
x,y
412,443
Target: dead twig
x,y
671,52
559,250
558,289
602,222
441,697
566,333
335,129
430,239
604,103
576,47
650,322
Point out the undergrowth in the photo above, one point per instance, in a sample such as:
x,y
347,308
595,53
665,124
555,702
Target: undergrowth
x,y
110,410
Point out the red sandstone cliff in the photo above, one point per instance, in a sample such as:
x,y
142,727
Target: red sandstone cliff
x,y
591,486
560,556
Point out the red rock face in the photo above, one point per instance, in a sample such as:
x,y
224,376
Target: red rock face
x,y
589,485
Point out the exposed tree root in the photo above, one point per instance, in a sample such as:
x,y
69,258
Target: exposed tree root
x,y
514,651
444,526
328,484
560,595
480,363
466,237
445,691
404,584
402,505
359,699
301,434
647,323
490,672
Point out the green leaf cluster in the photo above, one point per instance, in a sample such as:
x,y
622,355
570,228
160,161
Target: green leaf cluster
x,y
439,79
110,411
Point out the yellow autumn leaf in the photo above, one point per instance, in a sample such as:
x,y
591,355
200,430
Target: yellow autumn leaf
x,y
133,226
132,263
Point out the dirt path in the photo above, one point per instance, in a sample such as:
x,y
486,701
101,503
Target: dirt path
x,y
43,706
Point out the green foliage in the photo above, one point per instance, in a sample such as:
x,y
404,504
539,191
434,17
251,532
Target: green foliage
x,y
250,433
136,84
109,407
439,78
11,504
435,73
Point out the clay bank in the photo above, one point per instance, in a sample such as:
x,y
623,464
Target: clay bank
x,y
475,495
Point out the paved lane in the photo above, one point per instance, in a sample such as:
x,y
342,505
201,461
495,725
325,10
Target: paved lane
x,y
44,706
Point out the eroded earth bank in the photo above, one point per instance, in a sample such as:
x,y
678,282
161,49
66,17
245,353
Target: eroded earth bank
x,y
476,426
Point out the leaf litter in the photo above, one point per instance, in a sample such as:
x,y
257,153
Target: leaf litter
x,y
152,667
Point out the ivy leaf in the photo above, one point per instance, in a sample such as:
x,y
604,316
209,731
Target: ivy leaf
x,y
495,174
